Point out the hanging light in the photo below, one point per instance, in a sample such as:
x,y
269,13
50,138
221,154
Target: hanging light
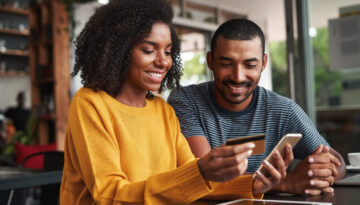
x,y
103,1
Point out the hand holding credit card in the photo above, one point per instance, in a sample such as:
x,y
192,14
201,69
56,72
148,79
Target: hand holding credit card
x,y
258,140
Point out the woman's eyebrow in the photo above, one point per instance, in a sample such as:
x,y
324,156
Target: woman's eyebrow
x,y
154,44
225,58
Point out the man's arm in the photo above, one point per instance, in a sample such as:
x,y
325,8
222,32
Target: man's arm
x,y
199,145
315,174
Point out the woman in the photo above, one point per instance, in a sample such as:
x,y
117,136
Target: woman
x,y
123,144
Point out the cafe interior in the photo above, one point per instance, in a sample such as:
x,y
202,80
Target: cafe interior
x,y
313,48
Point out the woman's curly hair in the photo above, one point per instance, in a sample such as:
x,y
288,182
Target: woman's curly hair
x,y
103,48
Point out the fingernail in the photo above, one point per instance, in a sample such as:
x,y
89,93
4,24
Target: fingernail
x,y
249,152
307,191
277,154
312,183
310,173
258,173
311,160
266,163
252,145
331,190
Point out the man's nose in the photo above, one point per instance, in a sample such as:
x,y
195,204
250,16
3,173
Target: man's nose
x,y
239,74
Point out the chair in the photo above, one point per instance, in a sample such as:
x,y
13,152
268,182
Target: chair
x,y
53,160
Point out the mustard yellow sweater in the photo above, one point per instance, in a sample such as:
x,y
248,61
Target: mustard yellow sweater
x,y
118,154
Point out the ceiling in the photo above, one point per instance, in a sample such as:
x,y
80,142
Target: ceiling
x,y
270,15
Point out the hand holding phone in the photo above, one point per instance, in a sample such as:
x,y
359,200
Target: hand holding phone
x,y
258,140
291,138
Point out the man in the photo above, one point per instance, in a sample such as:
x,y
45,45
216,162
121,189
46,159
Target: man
x,y
233,105
19,115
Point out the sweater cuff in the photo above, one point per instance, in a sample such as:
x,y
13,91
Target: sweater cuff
x,y
192,184
194,181
240,187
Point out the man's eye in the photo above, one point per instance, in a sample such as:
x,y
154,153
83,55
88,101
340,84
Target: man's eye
x,y
251,65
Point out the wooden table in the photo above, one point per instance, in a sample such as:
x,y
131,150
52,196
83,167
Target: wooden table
x,y
343,195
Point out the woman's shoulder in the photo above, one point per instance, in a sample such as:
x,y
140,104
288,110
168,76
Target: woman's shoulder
x,y
158,100
88,96
161,102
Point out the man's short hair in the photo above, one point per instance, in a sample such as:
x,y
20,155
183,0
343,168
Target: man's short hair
x,y
238,29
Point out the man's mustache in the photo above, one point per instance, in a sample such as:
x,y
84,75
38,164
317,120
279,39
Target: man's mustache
x,y
245,83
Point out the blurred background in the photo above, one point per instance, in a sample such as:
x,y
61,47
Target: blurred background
x,y
313,45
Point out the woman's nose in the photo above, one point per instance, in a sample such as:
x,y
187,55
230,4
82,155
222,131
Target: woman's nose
x,y
162,61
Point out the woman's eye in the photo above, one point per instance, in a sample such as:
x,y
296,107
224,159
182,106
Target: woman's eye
x,y
167,53
225,64
148,51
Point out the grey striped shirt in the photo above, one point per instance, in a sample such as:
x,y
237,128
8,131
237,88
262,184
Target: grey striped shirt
x,y
269,113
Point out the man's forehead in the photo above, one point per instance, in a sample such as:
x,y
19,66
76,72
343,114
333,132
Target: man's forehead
x,y
221,40
226,47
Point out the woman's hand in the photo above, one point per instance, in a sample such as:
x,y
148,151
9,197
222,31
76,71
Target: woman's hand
x,y
263,182
226,162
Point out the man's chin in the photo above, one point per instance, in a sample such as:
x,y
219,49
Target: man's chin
x,y
236,100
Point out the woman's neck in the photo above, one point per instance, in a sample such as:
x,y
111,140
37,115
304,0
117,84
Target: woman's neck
x,y
132,98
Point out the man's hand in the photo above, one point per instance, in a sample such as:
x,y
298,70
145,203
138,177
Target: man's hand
x,y
313,175
327,173
264,182
226,162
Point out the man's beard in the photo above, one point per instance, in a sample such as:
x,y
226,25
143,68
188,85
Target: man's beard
x,y
225,82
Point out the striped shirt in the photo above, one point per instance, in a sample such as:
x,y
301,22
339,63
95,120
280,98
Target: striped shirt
x,y
268,113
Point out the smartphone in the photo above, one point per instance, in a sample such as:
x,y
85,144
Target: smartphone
x,y
291,138
258,140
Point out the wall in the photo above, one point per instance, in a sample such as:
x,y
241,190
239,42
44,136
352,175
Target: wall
x,y
274,26
82,13
9,87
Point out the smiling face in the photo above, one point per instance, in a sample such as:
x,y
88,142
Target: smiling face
x,y
150,61
237,67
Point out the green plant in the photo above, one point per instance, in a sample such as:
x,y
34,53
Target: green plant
x,y
24,137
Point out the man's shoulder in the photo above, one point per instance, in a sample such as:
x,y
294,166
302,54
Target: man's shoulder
x,y
191,91
272,98
9,111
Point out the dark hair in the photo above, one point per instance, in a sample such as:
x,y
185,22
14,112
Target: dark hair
x,y
239,29
103,48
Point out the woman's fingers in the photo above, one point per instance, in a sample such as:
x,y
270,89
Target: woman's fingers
x,y
228,151
225,162
289,156
280,164
274,173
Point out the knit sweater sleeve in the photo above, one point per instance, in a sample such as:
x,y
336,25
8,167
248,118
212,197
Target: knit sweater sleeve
x,y
240,187
95,155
